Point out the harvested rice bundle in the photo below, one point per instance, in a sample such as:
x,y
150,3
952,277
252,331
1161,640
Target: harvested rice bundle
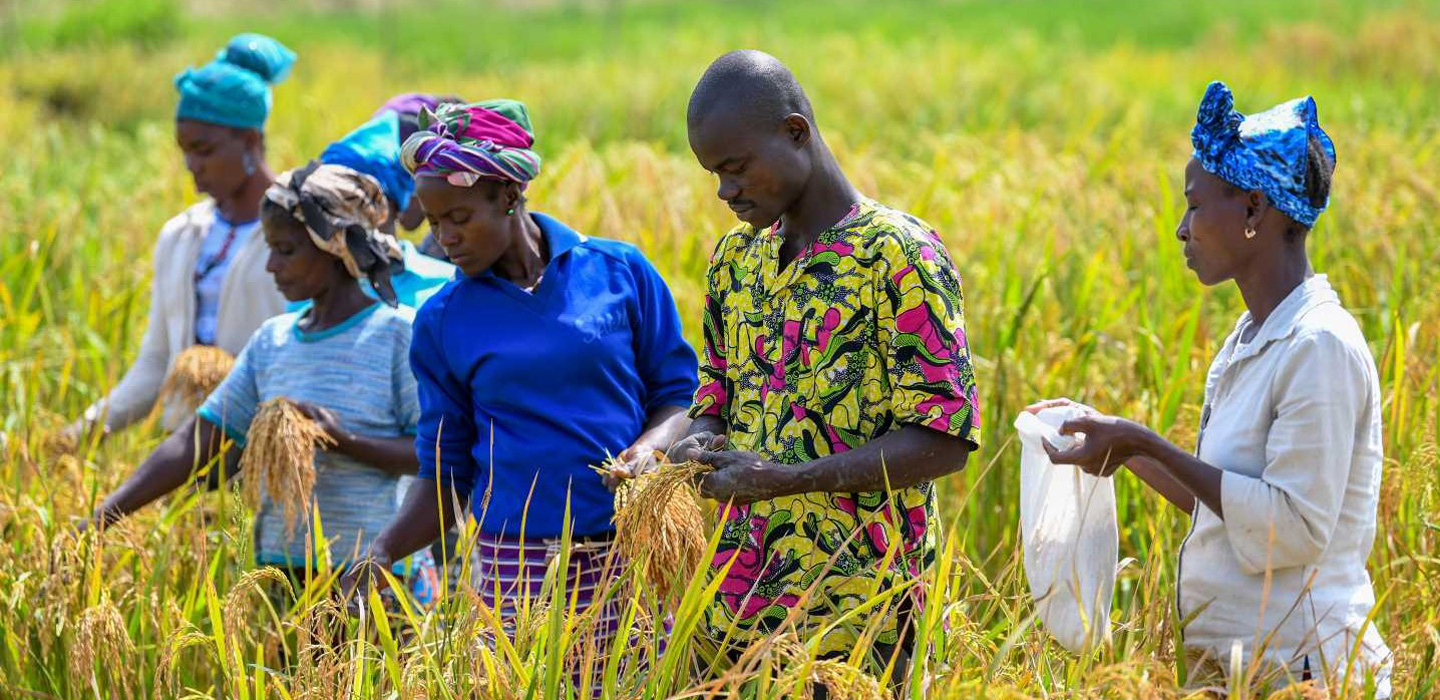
x,y
841,680
196,373
661,525
280,453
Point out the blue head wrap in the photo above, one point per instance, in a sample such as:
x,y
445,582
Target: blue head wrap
x,y
374,149
234,89
1268,151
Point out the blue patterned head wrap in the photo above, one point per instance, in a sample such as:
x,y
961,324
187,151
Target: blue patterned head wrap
x,y
1269,151
374,149
234,89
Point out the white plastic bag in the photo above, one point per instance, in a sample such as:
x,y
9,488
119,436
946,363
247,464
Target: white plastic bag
x,y
1067,527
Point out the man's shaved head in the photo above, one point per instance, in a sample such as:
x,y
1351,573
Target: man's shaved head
x,y
751,126
755,83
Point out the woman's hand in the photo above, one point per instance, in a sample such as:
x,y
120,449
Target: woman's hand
x,y
327,420
1109,443
365,573
634,461
743,477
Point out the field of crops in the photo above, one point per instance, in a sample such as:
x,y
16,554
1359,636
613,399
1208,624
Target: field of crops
x,y
1044,140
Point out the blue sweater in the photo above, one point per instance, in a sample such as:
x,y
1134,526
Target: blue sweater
x,y
521,393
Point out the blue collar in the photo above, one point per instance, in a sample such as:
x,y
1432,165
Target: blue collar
x,y
560,238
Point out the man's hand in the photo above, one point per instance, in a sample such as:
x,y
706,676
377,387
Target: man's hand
x,y
743,477
690,448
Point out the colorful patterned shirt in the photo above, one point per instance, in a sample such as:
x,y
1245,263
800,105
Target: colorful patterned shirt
x,y
861,334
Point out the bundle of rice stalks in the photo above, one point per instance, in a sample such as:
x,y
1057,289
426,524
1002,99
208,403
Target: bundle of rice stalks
x,y
100,636
661,525
196,373
280,453
841,680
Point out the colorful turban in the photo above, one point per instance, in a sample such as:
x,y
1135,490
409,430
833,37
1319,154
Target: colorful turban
x,y
234,89
373,148
464,143
343,209
1269,151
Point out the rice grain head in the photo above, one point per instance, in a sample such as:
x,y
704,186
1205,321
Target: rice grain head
x,y
100,636
661,525
280,454
196,373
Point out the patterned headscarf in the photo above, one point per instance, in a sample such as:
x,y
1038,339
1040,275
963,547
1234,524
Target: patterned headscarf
x,y
463,143
342,210
373,148
1268,151
408,106
234,89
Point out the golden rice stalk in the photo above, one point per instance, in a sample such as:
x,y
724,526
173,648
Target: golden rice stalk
x,y
100,636
197,371
280,453
841,680
660,524
237,612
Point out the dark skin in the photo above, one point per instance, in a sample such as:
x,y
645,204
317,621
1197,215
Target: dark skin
x,y
780,170
301,271
216,157
1267,266
486,228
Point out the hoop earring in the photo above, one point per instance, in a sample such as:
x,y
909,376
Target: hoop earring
x,y
1250,232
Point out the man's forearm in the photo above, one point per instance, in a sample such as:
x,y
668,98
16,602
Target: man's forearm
x,y
901,459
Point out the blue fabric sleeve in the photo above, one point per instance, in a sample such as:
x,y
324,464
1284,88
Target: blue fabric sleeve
x,y
666,363
233,404
445,433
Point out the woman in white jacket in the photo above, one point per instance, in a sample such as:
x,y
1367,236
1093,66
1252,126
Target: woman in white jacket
x,y
209,285
1283,486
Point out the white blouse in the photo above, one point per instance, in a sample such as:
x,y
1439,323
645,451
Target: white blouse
x,y
1293,418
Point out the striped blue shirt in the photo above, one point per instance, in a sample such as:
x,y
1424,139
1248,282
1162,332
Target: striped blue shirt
x,y
360,371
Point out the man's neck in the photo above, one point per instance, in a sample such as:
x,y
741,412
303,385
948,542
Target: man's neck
x,y
827,199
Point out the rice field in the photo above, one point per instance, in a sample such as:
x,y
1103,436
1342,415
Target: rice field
x,y
1044,140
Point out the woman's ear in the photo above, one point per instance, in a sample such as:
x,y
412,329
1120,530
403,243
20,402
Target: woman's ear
x,y
1256,205
512,195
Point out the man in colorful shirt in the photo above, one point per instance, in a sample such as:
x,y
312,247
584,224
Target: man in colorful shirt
x,y
835,385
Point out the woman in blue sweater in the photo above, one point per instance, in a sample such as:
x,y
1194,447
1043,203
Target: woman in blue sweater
x,y
553,351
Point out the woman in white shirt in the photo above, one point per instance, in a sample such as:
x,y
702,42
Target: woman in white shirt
x,y
1284,483
209,285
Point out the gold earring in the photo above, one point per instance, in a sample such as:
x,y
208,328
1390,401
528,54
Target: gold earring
x,y
1250,231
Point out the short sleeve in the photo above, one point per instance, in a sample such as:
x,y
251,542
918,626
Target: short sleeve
x,y
712,396
232,406
920,317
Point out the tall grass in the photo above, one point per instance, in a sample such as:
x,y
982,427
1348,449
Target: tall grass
x,y
1046,147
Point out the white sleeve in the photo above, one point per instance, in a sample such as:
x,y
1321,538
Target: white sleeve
x,y
1286,517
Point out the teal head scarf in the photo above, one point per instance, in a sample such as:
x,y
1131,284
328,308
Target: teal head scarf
x,y
234,89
